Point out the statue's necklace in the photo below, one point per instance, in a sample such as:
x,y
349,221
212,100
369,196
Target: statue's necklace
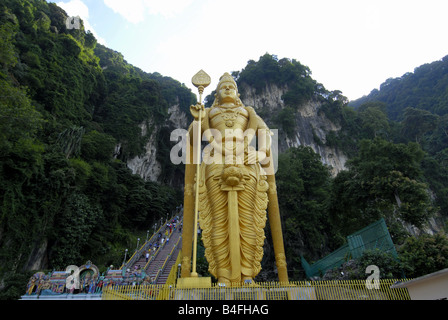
x,y
229,116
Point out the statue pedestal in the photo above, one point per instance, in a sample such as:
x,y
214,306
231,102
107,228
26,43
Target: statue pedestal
x,y
194,282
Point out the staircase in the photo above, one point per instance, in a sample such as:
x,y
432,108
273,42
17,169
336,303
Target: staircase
x,y
161,279
160,264
165,258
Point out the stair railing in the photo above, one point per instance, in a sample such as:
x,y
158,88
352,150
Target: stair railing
x,y
154,255
134,257
162,268
145,246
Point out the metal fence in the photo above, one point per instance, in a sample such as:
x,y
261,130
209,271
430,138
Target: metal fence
x,y
374,236
295,290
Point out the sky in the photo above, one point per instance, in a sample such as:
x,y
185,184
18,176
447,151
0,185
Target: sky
x,y
349,45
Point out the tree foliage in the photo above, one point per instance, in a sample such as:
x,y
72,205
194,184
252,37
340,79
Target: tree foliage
x,y
424,254
303,187
425,89
383,181
66,102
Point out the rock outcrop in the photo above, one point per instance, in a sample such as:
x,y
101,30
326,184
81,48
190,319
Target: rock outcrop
x,y
146,165
311,126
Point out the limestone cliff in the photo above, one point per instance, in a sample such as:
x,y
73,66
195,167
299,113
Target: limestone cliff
x,y
311,126
146,164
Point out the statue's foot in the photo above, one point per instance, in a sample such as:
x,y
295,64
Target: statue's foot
x,y
224,281
247,280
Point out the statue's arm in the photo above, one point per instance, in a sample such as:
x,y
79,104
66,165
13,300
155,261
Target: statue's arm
x,y
194,109
262,132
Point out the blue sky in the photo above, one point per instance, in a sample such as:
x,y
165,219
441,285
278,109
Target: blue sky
x,y
349,45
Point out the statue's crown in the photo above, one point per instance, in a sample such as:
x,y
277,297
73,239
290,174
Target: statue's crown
x,y
226,77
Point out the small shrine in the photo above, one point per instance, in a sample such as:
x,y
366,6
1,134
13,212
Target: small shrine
x,y
84,282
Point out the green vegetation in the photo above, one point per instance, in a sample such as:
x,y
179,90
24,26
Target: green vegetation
x,y
303,186
65,104
383,181
424,255
424,89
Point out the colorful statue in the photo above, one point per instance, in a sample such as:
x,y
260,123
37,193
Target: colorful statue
x,y
32,284
236,183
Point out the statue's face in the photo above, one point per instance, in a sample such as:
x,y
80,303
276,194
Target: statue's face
x,y
227,93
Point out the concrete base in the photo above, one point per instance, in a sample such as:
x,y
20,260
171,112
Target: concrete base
x,y
194,282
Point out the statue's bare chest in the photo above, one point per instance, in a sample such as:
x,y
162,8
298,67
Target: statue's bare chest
x,y
231,118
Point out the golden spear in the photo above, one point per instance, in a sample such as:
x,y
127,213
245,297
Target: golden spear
x,y
200,80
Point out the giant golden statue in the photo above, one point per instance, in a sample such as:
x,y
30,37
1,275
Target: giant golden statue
x,y
236,186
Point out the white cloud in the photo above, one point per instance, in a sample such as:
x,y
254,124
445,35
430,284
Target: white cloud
x,y
134,10
78,8
167,8
75,8
131,10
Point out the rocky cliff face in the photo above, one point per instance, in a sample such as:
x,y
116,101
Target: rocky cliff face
x,y
311,128
146,165
433,226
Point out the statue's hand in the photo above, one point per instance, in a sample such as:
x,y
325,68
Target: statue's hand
x,y
195,110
